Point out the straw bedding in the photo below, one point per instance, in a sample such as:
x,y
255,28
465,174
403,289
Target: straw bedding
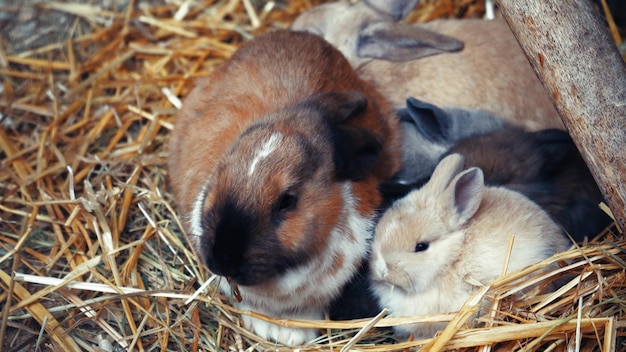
x,y
92,256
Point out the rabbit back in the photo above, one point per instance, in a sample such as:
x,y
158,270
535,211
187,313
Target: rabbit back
x,y
491,73
469,63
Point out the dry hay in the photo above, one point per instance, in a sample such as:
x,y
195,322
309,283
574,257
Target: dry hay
x,y
91,252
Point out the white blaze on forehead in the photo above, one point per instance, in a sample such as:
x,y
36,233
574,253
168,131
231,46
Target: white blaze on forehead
x,y
196,212
266,150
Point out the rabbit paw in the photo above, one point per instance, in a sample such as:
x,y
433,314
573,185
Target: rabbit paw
x,y
281,334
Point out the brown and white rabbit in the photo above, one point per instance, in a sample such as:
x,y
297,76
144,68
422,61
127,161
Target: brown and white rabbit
x,y
429,244
468,63
274,162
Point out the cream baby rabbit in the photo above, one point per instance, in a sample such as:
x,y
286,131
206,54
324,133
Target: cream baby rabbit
x,y
275,160
433,244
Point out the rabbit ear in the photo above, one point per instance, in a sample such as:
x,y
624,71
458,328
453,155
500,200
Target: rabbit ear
x,y
431,121
401,42
465,193
398,9
445,171
355,149
337,106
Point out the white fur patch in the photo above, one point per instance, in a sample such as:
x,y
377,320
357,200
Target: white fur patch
x,y
196,213
349,238
266,150
297,293
286,335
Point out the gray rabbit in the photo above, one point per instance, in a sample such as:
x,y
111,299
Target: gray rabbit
x,y
430,131
543,165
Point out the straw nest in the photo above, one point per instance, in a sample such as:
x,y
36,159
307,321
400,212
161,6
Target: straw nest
x,y
92,256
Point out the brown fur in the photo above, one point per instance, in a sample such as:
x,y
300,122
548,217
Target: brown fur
x,y
285,118
223,105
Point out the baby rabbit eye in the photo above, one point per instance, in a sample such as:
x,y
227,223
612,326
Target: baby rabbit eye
x,y
422,246
286,202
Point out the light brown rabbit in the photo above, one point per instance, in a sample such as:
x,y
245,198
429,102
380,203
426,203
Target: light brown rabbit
x,y
472,64
275,160
434,244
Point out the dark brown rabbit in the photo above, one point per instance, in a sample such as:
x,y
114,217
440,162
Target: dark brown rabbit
x,y
546,167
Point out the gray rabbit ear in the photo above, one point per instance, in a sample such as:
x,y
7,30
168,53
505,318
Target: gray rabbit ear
x,y
398,9
446,170
430,120
401,42
465,194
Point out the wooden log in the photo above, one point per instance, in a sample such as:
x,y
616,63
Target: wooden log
x,y
571,51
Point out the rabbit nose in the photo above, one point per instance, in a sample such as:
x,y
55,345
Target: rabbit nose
x,y
380,266
225,265
383,273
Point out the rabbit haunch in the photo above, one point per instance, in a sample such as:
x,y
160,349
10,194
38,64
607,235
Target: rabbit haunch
x,y
275,161
472,64
432,246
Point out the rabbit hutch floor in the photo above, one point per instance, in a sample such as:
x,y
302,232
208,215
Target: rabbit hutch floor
x,y
92,256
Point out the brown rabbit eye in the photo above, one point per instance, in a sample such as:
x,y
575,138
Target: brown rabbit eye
x,y
287,202
422,246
